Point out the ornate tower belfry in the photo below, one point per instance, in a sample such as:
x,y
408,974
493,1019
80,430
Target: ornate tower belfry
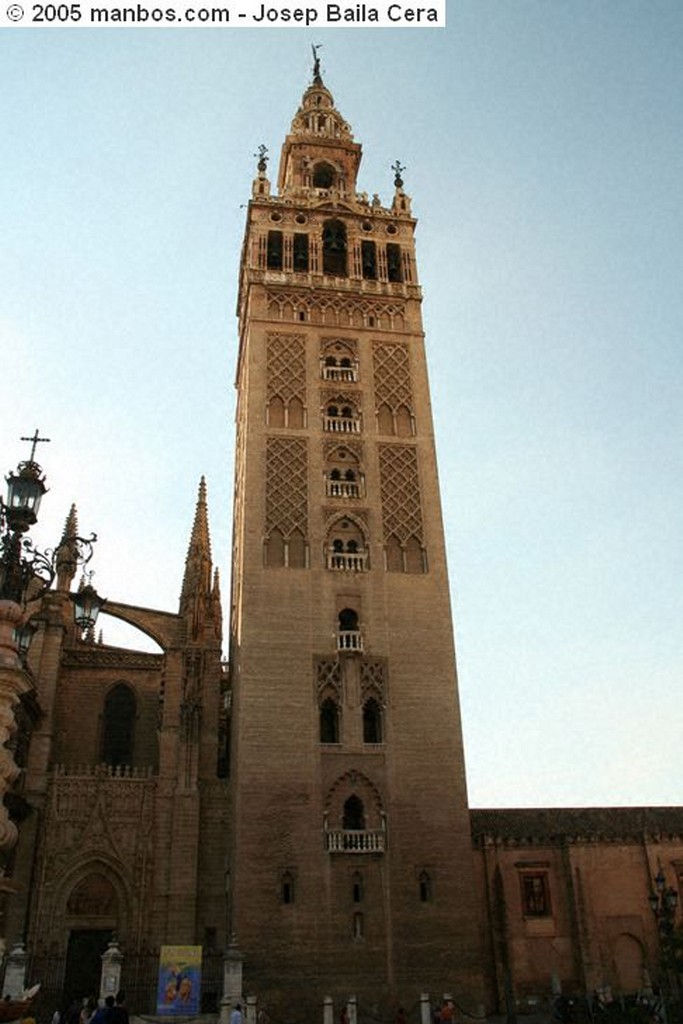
x,y
351,862
334,166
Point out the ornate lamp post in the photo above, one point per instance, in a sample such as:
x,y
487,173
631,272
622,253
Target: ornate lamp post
x,y
663,902
25,574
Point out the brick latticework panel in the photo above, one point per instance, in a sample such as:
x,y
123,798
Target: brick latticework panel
x,y
286,365
372,680
391,364
328,678
287,485
400,489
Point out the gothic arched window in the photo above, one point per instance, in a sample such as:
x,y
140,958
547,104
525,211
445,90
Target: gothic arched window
x,y
329,721
354,814
118,726
372,721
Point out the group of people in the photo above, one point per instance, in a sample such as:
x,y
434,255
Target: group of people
x,y
87,1011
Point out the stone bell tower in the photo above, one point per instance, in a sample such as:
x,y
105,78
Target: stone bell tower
x,y
351,865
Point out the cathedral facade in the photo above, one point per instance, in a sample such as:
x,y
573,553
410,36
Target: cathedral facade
x,y
300,812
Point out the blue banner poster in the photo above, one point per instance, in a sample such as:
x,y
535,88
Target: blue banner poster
x,y
180,980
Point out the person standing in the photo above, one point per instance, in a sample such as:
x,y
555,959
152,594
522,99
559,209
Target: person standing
x,y
119,1013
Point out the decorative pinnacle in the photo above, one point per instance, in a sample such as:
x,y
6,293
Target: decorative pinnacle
x,y
398,170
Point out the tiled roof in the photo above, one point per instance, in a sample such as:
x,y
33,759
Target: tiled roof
x,y
607,824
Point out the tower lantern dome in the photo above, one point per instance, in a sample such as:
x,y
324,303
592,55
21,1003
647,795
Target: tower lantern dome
x,y
319,134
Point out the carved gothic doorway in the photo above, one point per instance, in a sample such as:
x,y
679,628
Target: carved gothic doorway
x,y
84,963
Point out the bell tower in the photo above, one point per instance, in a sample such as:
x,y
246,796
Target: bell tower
x,y
351,863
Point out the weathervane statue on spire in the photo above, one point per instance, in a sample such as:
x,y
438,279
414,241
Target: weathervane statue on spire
x,y
262,157
317,80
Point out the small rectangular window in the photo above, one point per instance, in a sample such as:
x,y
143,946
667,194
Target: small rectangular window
x,y
535,894
287,888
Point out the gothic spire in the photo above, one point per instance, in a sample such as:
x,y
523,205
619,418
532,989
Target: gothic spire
x,y
197,578
66,555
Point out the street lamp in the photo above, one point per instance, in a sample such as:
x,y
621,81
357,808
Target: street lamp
x,y
87,604
25,572
25,575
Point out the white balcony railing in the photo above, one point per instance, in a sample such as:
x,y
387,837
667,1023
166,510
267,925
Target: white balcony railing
x,y
345,561
341,424
349,640
355,841
348,374
342,488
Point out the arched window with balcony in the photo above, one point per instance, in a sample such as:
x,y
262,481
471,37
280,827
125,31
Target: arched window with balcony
x,y
343,478
339,361
341,416
354,819
346,548
349,636
118,726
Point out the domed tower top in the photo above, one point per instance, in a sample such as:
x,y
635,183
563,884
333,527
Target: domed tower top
x,y
319,153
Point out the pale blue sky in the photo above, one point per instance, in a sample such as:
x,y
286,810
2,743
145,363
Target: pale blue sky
x,y
544,152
